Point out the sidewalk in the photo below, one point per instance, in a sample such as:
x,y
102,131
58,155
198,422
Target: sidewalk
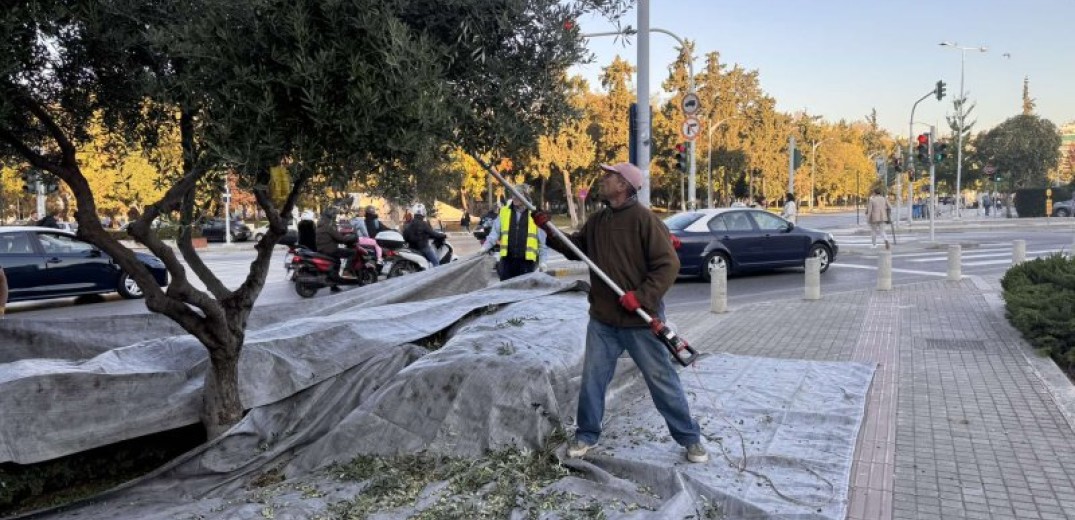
x,y
963,420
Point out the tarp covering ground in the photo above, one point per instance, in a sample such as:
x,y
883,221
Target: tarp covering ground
x,y
447,363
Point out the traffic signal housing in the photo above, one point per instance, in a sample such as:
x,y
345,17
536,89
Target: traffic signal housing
x,y
923,149
681,157
940,90
940,151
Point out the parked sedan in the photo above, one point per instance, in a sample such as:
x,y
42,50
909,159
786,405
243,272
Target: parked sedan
x,y
1063,208
213,230
743,239
49,263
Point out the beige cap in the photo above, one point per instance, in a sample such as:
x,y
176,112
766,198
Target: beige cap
x,y
628,171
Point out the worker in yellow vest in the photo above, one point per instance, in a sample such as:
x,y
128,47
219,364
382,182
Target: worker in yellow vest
x,y
522,243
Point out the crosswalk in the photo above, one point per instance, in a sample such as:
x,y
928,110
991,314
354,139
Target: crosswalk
x,y
985,255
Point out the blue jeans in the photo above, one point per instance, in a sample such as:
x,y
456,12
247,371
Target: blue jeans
x,y
430,255
604,344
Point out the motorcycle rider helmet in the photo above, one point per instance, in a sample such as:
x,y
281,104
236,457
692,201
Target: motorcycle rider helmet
x,y
419,210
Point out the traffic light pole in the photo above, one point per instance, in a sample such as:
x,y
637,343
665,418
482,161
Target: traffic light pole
x,y
932,183
39,187
910,163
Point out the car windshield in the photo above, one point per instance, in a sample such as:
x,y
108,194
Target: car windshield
x,y
680,221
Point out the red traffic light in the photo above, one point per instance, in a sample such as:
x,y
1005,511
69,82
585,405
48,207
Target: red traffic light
x,y
680,147
923,139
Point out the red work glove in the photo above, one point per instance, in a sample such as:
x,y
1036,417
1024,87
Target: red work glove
x,y
676,243
540,218
630,302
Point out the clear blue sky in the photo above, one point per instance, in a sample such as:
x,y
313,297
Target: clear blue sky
x,y
841,58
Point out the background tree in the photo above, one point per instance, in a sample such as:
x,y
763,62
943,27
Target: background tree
x,y
1023,148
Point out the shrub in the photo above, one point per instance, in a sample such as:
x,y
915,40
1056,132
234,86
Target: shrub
x,y
1040,297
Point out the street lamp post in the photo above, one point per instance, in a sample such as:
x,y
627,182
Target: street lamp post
x,y
813,162
642,88
709,174
960,115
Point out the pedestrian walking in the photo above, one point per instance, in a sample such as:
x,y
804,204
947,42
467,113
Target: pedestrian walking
x,y
464,221
522,243
631,245
987,202
877,215
791,210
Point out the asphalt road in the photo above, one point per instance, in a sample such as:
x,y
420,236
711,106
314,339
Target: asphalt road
x,y
855,268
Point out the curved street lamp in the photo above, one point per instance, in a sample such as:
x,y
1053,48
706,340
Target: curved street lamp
x,y
959,137
709,174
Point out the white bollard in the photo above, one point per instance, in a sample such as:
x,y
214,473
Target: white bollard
x,y
1018,251
813,278
884,271
955,263
718,291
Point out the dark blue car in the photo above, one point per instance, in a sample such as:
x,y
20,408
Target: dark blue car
x,y
744,239
50,263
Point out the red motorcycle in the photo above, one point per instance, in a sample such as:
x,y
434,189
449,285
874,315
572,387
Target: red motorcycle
x,y
312,271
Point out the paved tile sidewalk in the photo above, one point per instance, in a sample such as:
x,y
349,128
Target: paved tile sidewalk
x,y
961,421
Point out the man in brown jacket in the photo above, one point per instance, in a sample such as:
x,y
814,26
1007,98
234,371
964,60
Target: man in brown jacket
x,y
632,246
877,216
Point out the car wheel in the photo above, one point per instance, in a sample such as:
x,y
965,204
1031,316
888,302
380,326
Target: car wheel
x,y
403,267
822,252
1062,212
128,288
715,260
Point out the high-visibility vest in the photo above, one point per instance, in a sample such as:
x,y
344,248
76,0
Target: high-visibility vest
x,y
531,234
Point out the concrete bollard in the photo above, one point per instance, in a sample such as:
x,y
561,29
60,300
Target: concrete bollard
x,y
955,263
884,271
813,278
718,291
1018,251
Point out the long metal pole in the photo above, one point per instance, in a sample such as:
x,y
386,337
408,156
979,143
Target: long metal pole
x,y
910,156
959,138
709,171
642,88
932,184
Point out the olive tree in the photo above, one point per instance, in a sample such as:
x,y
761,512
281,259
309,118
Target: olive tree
x,y
334,88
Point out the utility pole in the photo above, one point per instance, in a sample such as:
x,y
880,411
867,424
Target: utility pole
x,y
642,88
227,211
932,183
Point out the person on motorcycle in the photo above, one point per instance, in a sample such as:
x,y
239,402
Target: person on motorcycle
x,y
373,222
328,239
522,243
419,232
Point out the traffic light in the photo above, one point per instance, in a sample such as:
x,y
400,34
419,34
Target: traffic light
x,y
797,159
940,151
681,157
939,91
29,179
923,149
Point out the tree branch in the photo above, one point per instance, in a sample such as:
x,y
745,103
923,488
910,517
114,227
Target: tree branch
x,y
57,133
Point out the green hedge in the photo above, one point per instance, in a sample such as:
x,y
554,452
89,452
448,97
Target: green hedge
x,y
1040,297
1030,202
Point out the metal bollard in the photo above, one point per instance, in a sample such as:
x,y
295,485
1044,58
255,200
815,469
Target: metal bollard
x,y
884,271
1018,251
813,279
718,291
955,263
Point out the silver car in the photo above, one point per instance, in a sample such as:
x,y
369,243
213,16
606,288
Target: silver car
x,y
1063,208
